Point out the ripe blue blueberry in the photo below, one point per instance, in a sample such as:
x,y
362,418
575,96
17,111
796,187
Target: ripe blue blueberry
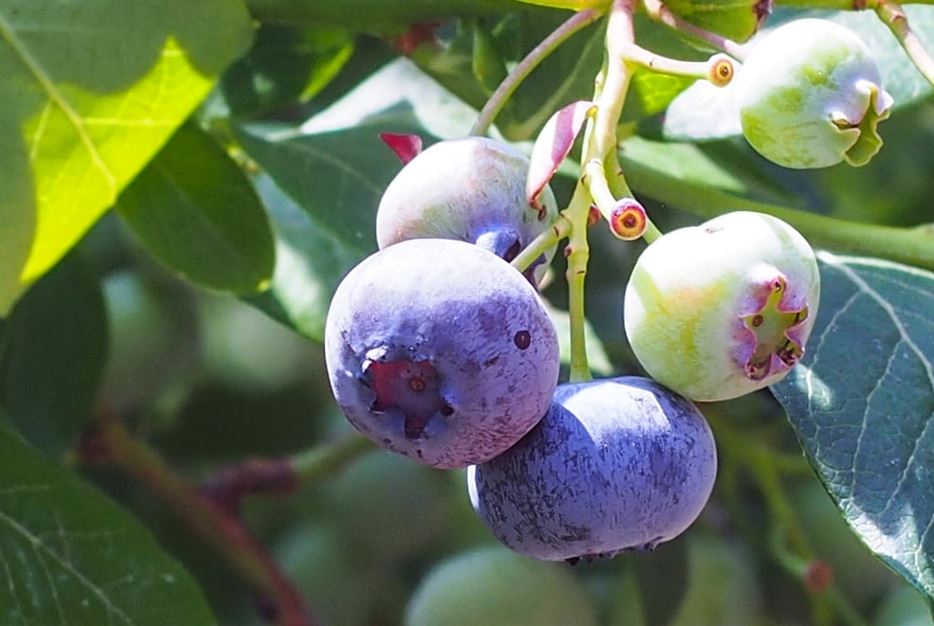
x,y
616,464
440,351
471,189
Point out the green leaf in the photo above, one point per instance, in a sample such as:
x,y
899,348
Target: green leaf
x,y
732,19
325,180
196,212
54,356
862,405
337,177
90,92
577,5
371,15
309,264
705,112
285,66
565,76
70,556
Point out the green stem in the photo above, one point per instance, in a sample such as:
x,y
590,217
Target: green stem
x,y
599,141
657,11
541,244
767,468
578,255
893,15
520,72
213,524
912,246
320,462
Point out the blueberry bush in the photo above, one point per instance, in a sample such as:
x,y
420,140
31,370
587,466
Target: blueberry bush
x,y
467,312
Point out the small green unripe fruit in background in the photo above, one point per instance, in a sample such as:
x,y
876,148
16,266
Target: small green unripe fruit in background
x,y
493,586
718,310
811,96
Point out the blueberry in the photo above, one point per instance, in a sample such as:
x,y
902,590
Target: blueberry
x,y
616,464
722,309
470,189
811,96
439,350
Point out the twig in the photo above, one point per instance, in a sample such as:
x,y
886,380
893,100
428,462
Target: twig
x,y
539,53
278,476
211,522
893,15
660,13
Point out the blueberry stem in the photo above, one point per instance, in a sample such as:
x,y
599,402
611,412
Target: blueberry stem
x,y
893,15
676,67
521,71
657,11
558,231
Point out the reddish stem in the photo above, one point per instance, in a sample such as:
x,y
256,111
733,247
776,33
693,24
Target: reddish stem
x,y
210,520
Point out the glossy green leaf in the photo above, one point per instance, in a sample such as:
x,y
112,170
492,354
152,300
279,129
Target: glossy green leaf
x,y
309,264
195,211
862,405
72,557
371,15
705,112
90,92
54,356
286,66
565,76
337,177
737,20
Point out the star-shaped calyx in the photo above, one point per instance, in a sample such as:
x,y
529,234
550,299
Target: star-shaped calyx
x,y
773,326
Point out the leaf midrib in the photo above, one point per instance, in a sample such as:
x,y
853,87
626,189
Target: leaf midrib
x,y
36,69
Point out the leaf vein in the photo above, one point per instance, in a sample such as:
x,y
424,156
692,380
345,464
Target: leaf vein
x,y
6,30
38,545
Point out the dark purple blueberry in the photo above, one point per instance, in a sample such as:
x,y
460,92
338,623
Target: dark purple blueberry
x,y
440,351
616,464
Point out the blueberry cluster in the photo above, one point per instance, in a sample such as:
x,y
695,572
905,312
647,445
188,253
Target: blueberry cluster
x,y
438,349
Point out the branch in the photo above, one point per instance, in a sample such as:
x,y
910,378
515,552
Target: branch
x,y
657,11
525,67
279,476
893,15
113,443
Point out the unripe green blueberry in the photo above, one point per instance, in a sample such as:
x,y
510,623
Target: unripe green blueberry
x,y
811,96
470,189
493,586
719,310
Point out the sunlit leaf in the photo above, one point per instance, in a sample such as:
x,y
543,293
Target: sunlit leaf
x,y
90,92
862,404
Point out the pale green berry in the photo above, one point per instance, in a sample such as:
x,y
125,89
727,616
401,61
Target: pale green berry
x,y
719,310
811,96
496,587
